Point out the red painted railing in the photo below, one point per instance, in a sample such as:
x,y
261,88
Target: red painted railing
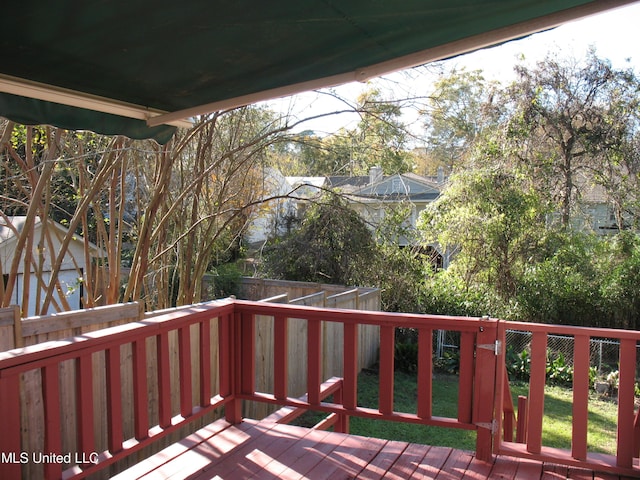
x,y
47,360
226,378
476,374
529,439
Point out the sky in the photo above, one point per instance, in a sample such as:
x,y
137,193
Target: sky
x,y
614,34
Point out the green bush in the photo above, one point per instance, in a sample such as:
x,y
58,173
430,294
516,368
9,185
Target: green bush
x,y
518,364
449,363
406,357
558,371
227,281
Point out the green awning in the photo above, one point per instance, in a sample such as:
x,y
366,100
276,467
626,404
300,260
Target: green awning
x,y
136,63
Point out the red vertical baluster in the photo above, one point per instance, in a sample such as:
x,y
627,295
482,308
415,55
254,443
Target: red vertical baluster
x,y
465,377
114,399
280,357
626,388
581,354
536,391
225,357
248,354
184,361
84,404
350,365
140,394
425,372
523,419
350,372
164,380
387,351
205,362
10,414
314,361
232,355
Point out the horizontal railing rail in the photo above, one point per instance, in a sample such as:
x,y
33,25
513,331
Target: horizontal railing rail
x,y
531,412
192,362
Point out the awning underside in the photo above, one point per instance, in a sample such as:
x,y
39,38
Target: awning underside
x,y
143,58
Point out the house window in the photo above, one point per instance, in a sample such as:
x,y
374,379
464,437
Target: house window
x,y
396,185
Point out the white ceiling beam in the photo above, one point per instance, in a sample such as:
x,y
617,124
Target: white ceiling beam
x,y
38,91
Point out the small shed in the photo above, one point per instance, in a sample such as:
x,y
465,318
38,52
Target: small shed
x,y
46,246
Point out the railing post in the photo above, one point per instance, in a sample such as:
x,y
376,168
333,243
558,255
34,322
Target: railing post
x,y
624,455
484,387
241,357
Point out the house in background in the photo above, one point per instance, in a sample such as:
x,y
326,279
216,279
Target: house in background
x,y
594,211
381,193
371,196
271,217
44,249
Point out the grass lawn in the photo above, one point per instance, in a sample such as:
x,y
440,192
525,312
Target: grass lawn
x,y
556,424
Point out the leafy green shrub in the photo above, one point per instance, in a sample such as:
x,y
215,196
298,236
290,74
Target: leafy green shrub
x,y
449,363
559,372
406,357
518,364
227,281
446,294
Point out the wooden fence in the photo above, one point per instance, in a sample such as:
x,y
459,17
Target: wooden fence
x,y
258,288
332,343
17,333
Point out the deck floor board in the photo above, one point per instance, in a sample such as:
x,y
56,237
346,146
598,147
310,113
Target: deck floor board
x,y
270,451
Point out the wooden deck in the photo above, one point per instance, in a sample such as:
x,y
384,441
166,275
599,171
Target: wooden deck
x,y
267,450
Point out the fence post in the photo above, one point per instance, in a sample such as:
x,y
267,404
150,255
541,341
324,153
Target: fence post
x,y
10,328
18,340
484,387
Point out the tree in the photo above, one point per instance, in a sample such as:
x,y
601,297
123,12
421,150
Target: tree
x,y
379,139
460,110
46,180
493,224
569,122
201,194
173,211
400,271
332,245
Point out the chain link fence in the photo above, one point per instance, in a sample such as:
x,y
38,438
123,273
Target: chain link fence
x,y
604,352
